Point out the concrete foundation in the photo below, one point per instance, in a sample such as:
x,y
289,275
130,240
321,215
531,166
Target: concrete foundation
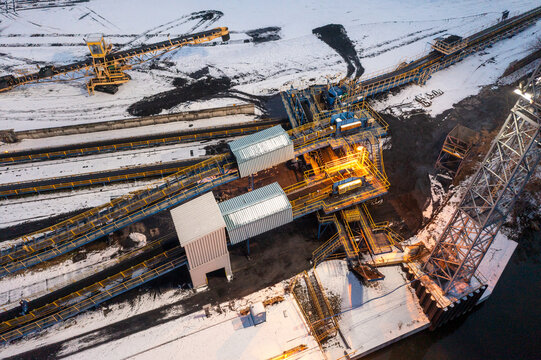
x,y
436,313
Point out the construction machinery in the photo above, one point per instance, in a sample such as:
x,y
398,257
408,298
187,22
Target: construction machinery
x,y
107,67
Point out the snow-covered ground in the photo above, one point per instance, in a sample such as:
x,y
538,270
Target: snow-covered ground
x,y
33,283
373,315
223,335
102,162
383,33
38,207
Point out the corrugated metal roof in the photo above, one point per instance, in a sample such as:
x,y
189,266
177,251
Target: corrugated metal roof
x,y
197,218
260,143
254,205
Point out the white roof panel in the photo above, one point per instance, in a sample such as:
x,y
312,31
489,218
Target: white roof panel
x,y
197,218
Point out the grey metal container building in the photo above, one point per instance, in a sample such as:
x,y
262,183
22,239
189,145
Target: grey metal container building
x,y
201,231
256,212
262,150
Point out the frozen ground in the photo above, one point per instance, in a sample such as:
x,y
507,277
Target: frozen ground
x,y
382,33
102,162
233,337
372,315
38,207
33,283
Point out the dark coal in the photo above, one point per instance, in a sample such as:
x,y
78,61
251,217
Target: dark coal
x,y
180,82
336,37
205,88
199,73
265,34
215,149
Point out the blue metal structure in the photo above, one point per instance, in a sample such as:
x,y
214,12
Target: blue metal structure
x,y
348,92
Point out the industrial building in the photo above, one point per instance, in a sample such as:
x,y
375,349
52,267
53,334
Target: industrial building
x,y
262,150
256,212
329,165
200,229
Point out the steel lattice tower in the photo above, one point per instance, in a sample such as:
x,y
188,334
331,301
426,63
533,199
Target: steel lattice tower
x,y
489,198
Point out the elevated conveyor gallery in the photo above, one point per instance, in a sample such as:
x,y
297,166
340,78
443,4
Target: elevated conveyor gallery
x,y
107,66
134,143
303,105
92,295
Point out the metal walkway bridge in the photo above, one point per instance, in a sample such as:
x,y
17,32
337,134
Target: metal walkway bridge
x,y
92,295
68,151
95,223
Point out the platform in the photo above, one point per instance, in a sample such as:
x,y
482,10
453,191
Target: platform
x,y
372,316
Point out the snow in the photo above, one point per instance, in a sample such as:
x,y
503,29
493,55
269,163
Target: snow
x,y
495,261
467,77
175,333
139,238
165,129
383,33
373,315
38,207
102,162
437,194
382,38
33,283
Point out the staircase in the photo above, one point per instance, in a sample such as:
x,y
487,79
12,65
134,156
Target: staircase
x,y
327,249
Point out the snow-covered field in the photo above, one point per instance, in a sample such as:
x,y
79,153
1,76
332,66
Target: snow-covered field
x,y
383,33
173,337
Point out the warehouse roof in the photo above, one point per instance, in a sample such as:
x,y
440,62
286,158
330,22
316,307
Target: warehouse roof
x,y
255,205
197,218
262,142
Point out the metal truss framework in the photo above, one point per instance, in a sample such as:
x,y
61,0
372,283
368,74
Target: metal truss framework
x,y
456,147
507,167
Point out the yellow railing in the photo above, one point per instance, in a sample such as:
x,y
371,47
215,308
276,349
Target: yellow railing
x,y
131,206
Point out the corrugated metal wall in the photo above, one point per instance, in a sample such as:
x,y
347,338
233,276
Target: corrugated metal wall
x,y
260,226
206,248
199,274
266,161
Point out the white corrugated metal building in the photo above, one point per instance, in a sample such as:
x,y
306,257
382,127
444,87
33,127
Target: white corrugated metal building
x,y
262,150
201,231
256,212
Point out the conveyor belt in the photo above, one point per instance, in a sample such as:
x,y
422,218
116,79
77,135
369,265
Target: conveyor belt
x,y
27,259
92,295
85,67
94,178
417,71
135,142
91,225
94,218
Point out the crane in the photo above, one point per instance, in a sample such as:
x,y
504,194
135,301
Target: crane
x,y
106,67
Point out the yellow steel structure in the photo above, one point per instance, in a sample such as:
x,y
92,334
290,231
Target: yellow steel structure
x,y
106,66
109,70
288,353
